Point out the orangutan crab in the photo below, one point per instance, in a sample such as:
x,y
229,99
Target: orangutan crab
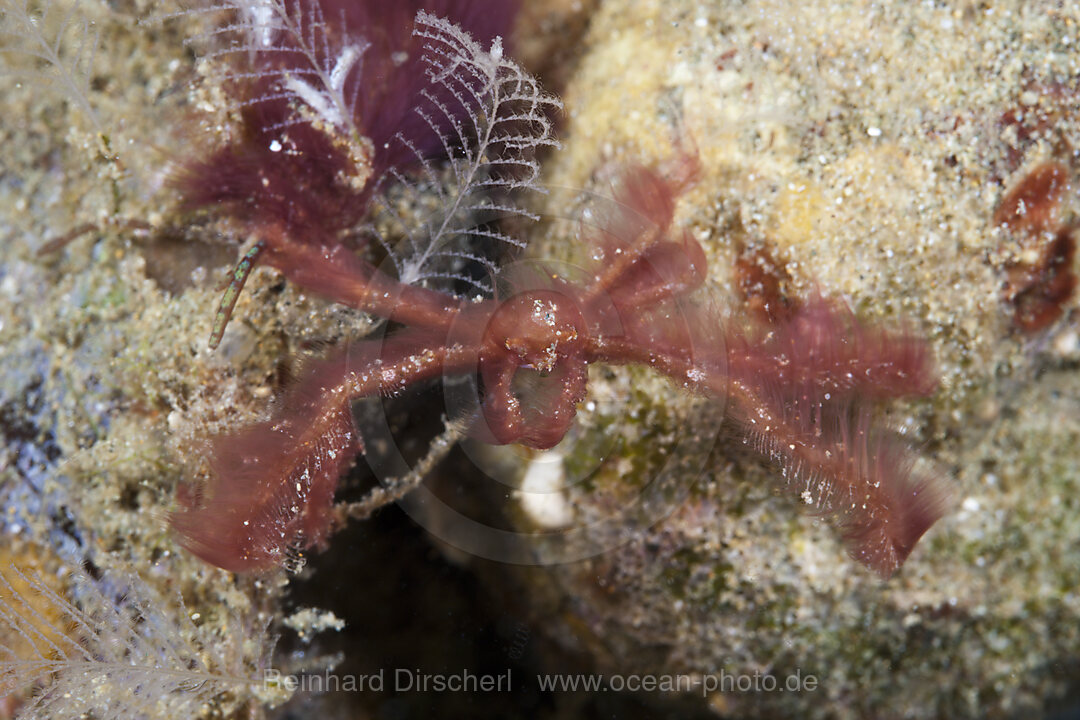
x,y
803,389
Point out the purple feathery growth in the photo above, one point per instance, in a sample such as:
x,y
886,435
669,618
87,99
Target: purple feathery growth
x,y
325,87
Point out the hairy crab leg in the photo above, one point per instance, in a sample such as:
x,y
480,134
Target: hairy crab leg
x,y
623,262
272,484
826,444
647,203
339,274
